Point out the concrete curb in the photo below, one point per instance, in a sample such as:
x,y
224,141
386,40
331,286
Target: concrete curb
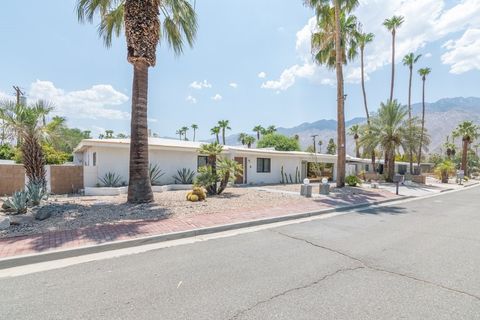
x,y
15,261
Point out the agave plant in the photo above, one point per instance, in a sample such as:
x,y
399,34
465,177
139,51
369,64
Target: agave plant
x,y
18,202
111,179
184,176
155,174
36,192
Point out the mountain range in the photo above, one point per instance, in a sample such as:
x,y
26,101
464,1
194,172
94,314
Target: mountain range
x,y
441,118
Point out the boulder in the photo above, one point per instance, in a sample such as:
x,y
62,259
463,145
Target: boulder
x,y
4,223
43,213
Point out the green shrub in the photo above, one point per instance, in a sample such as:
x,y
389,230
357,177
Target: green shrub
x,y
7,152
184,176
111,179
353,180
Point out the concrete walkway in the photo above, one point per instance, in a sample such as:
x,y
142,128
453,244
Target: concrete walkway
x,y
129,230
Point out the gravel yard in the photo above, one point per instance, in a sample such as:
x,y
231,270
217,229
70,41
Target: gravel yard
x,y
81,211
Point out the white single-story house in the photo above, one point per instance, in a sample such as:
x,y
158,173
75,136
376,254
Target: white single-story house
x,y
261,166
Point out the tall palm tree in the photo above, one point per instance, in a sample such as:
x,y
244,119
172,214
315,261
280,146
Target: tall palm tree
x,y
409,60
145,21
333,45
468,132
224,125
354,131
424,72
184,130
392,25
258,129
195,128
31,129
363,39
249,140
216,132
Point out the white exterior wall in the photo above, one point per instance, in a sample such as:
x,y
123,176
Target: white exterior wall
x,y
170,161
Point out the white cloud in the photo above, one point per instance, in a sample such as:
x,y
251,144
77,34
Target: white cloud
x,y
463,54
427,55
234,85
191,99
93,103
199,85
152,120
217,97
262,75
425,21
4,96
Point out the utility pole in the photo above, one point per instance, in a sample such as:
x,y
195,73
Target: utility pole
x,y
18,92
314,142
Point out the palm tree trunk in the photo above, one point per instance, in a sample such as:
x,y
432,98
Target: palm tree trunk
x,y
391,165
393,65
139,188
218,138
410,117
194,135
357,149
33,160
363,85
423,126
464,156
223,135
341,158
258,135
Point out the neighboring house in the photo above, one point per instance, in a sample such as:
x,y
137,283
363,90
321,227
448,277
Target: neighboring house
x,y
261,166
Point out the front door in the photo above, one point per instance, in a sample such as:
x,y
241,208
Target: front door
x,y
239,178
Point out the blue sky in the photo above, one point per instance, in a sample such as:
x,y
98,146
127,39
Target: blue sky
x,y
250,64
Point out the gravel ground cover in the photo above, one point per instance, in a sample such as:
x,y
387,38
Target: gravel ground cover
x,y
80,211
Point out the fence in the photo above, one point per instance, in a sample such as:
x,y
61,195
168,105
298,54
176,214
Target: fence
x,y
61,179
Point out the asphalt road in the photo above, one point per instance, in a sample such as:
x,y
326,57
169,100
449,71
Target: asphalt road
x,y
418,260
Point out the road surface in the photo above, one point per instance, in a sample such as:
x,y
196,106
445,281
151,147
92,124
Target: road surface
x,y
416,260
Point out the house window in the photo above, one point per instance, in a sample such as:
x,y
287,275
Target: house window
x,y
94,159
202,161
367,168
263,165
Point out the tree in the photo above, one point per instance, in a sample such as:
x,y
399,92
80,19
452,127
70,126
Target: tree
x,y
331,147
468,132
108,134
249,140
184,130
223,124
269,130
241,138
333,45
212,151
423,73
278,141
392,25
195,128
145,21
390,130
409,60
31,129
258,129
180,134
354,132
320,143
363,39
216,132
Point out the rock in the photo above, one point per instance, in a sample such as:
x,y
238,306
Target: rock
x,y
21,220
43,213
4,223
